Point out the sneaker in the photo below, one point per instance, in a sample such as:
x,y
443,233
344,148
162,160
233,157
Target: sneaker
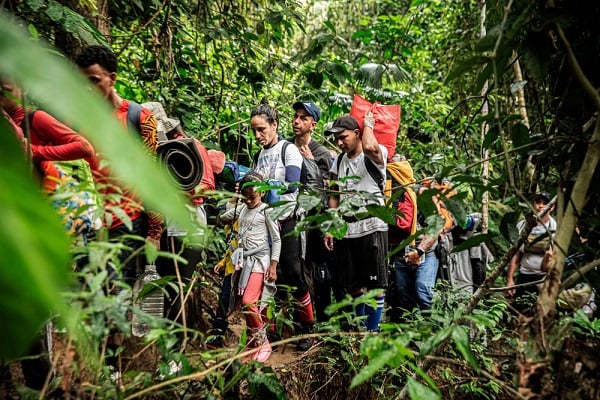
x,y
303,344
215,342
263,353
273,337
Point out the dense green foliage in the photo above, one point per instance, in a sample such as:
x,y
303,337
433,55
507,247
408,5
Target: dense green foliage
x,y
210,62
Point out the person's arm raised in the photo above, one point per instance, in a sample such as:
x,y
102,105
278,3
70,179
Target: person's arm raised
x,y
369,142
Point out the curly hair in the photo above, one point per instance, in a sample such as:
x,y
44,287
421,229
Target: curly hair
x,y
97,54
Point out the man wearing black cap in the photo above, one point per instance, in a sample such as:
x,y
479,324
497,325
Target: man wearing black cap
x,y
532,258
306,116
361,254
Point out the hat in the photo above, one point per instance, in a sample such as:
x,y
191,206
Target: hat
x,y
310,108
542,195
164,124
345,122
217,160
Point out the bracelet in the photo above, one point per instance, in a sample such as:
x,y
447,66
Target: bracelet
x,y
369,126
420,251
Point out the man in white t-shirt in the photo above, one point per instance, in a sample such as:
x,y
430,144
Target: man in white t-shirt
x,y
361,254
532,258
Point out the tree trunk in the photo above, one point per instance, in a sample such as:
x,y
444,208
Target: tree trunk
x,y
546,303
102,20
485,168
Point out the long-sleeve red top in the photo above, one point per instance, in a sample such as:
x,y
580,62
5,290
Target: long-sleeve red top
x,y
109,185
51,140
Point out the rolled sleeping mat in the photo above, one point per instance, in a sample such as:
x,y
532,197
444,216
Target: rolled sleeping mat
x,y
183,160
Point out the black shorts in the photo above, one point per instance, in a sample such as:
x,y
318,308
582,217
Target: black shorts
x,y
361,262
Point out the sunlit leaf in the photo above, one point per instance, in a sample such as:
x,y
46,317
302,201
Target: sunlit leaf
x,y
472,242
417,390
515,87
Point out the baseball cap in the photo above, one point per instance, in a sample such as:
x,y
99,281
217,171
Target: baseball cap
x,y
345,122
310,107
542,195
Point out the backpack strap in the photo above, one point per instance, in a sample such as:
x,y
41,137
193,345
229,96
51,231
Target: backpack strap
x,y
375,173
255,159
283,149
339,161
26,124
371,169
134,111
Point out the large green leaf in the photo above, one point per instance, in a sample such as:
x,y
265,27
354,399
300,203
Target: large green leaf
x,y
473,241
34,252
461,340
35,248
417,390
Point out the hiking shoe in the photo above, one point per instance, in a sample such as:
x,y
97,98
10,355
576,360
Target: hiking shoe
x,y
215,342
303,344
273,337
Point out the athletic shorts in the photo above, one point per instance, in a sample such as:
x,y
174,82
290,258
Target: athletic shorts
x,y
361,262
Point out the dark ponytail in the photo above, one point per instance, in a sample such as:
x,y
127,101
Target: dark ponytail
x,y
270,113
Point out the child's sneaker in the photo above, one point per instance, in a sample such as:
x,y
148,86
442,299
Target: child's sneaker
x,y
264,352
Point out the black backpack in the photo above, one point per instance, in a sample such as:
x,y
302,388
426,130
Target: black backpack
x,y
371,169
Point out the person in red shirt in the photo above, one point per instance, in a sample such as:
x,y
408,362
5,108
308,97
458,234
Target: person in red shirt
x,y
172,238
99,65
47,138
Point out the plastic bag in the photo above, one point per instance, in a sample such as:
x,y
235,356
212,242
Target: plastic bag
x,y
387,121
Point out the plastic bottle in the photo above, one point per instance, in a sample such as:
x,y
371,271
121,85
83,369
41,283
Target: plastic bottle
x,y
152,303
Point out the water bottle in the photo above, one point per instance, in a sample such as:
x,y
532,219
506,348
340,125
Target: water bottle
x,y
152,303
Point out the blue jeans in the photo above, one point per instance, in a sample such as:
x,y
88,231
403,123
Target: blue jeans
x,y
414,284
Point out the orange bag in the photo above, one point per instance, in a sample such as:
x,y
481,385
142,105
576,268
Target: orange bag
x,y
387,121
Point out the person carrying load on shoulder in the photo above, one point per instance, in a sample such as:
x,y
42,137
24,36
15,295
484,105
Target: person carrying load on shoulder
x,y
174,239
99,65
399,188
45,140
361,254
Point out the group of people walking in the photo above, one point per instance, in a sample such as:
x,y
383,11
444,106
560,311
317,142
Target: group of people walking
x,y
267,258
